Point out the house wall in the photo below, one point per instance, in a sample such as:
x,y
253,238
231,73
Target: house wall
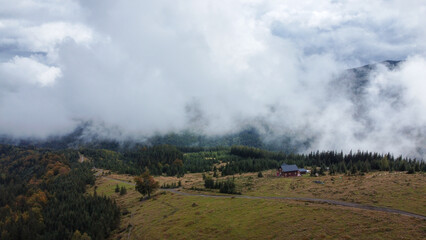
x,y
290,174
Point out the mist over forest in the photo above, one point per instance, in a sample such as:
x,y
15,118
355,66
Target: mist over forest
x,y
285,76
191,119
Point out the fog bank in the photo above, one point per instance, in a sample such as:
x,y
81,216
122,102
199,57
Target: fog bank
x,y
143,68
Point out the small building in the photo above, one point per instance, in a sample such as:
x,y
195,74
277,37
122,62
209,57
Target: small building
x,y
303,171
290,171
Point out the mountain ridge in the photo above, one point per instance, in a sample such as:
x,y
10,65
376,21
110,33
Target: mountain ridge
x,y
353,81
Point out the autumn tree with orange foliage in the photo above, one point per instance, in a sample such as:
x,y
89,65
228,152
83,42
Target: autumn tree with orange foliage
x,y
145,184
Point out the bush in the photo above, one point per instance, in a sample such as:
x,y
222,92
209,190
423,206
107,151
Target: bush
x,y
260,175
172,185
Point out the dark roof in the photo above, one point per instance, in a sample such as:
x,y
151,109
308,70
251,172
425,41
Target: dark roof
x,y
302,170
289,168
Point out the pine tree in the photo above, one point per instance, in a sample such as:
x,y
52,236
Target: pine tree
x,y
123,190
354,170
384,164
332,170
321,171
314,171
209,182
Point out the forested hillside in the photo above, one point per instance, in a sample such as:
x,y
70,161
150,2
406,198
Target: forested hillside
x,y
43,192
42,196
160,159
172,161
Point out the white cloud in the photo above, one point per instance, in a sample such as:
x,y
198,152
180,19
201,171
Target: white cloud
x,y
22,70
146,66
22,35
50,34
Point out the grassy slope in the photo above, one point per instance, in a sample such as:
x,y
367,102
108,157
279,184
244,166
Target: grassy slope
x,y
396,190
169,216
175,217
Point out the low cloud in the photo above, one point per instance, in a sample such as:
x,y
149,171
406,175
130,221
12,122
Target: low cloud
x,y
144,67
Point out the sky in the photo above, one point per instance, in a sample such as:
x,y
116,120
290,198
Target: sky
x,y
137,68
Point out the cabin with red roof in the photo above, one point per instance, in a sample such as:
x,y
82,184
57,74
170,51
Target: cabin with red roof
x,y
290,171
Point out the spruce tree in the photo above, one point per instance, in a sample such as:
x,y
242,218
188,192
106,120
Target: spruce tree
x,y
123,190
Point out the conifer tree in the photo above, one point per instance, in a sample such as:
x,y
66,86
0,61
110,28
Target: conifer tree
x,y
123,190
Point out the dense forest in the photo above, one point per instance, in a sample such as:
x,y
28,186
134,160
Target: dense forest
x,y
162,159
42,196
248,159
172,161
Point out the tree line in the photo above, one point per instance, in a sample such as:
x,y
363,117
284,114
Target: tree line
x,y
162,159
224,186
171,161
249,159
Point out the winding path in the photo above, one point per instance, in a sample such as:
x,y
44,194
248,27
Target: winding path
x,y
334,202
318,200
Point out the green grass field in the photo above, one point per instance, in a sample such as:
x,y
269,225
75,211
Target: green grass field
x,y
395,190
171,216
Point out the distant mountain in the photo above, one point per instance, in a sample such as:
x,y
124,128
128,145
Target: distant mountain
x,y
356,79
351,83
80,138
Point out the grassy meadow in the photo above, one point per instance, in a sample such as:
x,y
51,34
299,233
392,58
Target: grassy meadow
x,y
172,216
385,189
395,190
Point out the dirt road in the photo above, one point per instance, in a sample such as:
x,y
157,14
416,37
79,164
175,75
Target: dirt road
x,y
317,200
